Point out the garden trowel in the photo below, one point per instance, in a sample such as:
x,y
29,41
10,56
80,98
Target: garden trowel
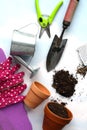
x,y
82,51
58,44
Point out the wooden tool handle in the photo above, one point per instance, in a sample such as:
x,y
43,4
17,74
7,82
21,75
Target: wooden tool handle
x,y
70,11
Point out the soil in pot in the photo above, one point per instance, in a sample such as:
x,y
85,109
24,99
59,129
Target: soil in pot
x,y
56,116
58,109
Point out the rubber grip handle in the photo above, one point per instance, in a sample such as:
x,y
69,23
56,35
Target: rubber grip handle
x,y
70,10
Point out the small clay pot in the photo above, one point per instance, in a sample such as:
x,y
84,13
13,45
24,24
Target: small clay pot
x,y
37,94
53,121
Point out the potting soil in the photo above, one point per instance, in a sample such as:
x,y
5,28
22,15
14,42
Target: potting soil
x,y
64,83
58,109
82,70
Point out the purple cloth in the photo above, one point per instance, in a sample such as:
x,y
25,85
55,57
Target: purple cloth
x,y
14,117
2,55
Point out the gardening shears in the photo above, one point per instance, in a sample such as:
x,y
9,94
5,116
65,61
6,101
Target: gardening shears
x,y
44,20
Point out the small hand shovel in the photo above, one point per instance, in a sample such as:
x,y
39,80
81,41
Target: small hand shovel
x,y
58,43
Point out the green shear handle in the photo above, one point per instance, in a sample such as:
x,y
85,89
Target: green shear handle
x,y
51,17
41,19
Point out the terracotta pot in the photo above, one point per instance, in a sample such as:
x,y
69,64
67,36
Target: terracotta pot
x,y
54,122
37,94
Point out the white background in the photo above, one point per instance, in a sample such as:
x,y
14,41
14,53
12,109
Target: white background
x,y
18,13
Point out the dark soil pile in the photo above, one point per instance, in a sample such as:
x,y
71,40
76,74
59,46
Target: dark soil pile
x,y
64,83
58,109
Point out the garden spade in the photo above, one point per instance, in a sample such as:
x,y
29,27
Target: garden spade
x,y
58,44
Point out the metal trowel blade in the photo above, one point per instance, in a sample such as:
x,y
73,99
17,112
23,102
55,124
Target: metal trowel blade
x,y
82,51
55,53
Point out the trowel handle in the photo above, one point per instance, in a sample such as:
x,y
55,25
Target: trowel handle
x,y
70,12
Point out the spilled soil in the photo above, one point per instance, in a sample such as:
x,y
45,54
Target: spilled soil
x,y
82,70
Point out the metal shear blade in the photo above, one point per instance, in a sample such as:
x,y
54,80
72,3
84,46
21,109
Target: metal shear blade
x,y
46,21
47,29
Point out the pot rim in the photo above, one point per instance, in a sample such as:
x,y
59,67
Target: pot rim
x,y
40,90
54,116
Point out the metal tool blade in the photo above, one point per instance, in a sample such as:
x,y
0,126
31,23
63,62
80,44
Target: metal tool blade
x,y
41,32
82,51
55,53
47,29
